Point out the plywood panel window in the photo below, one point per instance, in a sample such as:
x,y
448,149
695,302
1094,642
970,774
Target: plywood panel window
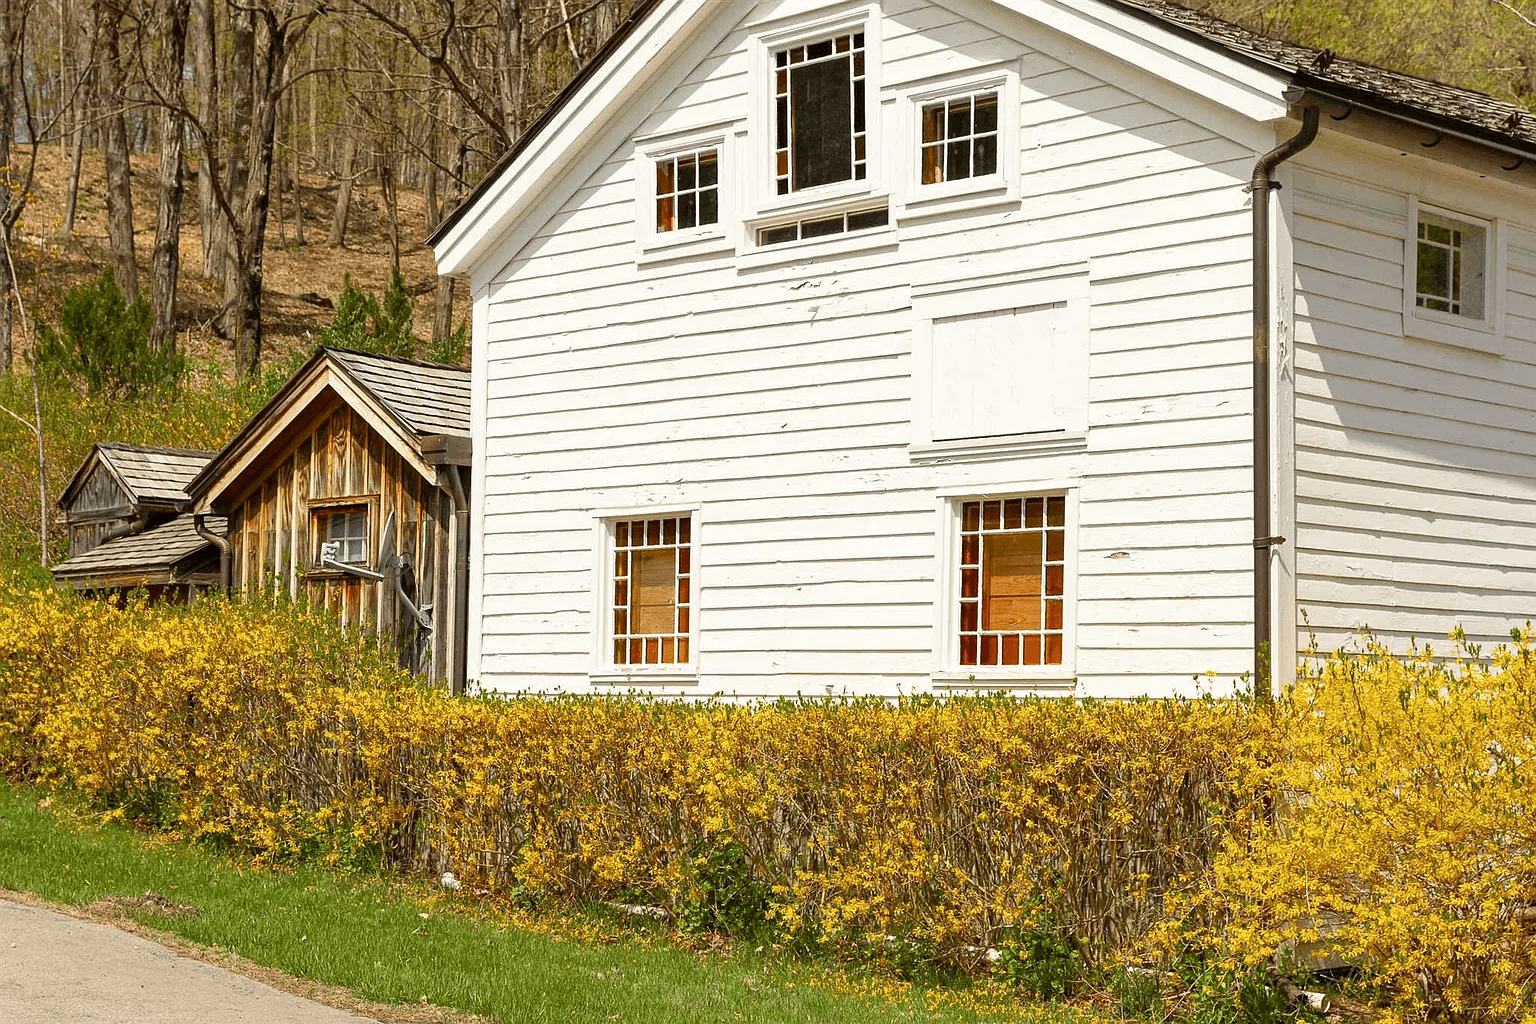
x,y
959,138
1012,585
687,190
819,113
652,590
345,526
999,373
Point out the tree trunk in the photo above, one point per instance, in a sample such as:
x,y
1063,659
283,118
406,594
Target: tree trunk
x,y
204,71
442,307
389,193
244,87
344,191
165,265
109,99
72,188
298,183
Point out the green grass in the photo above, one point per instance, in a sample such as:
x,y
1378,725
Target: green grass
x,y
360,935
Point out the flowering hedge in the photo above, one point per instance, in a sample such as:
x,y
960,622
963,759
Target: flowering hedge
x,y
1403,840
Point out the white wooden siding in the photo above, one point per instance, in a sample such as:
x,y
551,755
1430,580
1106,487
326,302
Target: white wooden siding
x,y
778,399
1415,462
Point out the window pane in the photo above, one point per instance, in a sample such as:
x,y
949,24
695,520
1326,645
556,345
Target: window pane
x,y
665,177
687,173
1011,582
984,160
958,164
666,214
868,219
820,228
959,118
986,113
933,164
709,207
709,169
773,236
822,123
687,210
933,123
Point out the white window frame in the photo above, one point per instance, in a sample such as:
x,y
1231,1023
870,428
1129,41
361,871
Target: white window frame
x,y
1484,335
604,669
948,673
1002,186
656,245
321,509
766,203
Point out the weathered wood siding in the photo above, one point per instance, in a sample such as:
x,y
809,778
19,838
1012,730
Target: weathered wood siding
x,y
100,506
1415,461
779,398
339,456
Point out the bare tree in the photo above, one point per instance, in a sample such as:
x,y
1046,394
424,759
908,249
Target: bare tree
x,y
165,266
110,101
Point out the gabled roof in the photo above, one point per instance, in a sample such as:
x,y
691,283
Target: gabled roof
x,y
430,398
414,405
160,555
1462,112
148,475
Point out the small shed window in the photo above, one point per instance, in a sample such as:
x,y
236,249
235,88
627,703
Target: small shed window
x,y
1012,585
652,590
346,526
820,134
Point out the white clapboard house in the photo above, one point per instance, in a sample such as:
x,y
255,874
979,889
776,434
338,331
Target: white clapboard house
x,y
912,346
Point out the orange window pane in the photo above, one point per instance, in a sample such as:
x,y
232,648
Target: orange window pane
x,y
1056,512
1011,649
1034,512
665,177
1053,649
1055,546
1011,582
933,165
653,585
666,218
1031,650
971,515
1011,513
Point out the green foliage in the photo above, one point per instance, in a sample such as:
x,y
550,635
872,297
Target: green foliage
x,y
1137,993
1042,959
453,349
365,323
102,344
725,897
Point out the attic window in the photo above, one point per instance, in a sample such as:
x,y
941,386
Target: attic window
x,y
959,138
687,190
819,227
820,131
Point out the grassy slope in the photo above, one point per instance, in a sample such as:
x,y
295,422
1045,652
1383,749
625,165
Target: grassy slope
x,y
366,938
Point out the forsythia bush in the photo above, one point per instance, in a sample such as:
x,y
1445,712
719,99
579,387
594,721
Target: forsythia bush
x,y
266,727
1380,811
1406,836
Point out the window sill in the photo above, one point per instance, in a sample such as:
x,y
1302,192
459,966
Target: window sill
x,y
920,204
642,677
662,250
1472,337
966,681
1005,447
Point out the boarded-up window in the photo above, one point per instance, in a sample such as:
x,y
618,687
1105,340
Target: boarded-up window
x,y
652,590
1013,581
819,118
1000,373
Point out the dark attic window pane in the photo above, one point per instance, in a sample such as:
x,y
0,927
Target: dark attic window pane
x,y
868,219
822,123
775,236
824,226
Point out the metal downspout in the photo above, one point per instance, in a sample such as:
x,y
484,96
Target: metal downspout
x,y
137,525
460,665
222,543
1263,539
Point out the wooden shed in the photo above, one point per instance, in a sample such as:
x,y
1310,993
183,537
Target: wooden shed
x,y
171,561
126,488
352,443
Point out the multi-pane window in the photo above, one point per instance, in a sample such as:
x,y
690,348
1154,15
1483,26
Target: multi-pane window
x,y
687,190
959,138
820,227
1451,258
1012,581
652,576
820,134
347,527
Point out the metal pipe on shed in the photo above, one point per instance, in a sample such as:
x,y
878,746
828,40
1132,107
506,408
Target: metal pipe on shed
x,y
460,626
1263,538
222,543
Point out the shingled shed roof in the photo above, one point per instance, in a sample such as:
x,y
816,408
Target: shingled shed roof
x,y
430,398
1493,120
161,555
156,476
